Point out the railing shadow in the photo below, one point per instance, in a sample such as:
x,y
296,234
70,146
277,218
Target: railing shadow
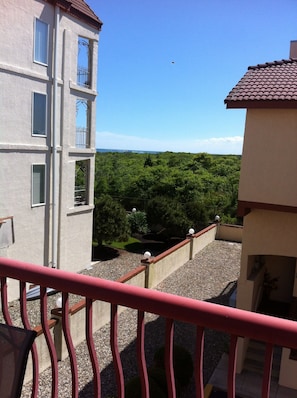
x,y
215,344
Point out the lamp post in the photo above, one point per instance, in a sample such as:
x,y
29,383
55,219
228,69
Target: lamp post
x,y
146,261
146,256
190,235
59,302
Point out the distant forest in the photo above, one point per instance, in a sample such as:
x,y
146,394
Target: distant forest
x,y
175,191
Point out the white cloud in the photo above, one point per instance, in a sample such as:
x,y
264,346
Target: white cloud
x,y
213,145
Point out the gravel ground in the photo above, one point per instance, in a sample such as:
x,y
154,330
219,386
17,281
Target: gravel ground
x,y
210,276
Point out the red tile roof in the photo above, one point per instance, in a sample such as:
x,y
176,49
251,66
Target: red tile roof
x,y
80,10
269,85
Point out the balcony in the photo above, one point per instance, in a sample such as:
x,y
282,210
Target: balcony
x,y
82,139
167,310
80,196
83,77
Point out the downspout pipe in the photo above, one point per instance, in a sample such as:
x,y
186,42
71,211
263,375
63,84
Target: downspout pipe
x,y
54,142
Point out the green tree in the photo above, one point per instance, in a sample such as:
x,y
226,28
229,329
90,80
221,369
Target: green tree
x,y
197,213
110,221
203,160
209,181
148,161
168,215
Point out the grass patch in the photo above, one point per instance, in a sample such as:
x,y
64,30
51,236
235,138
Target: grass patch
x,y
134,245
138,244
125,245
112,250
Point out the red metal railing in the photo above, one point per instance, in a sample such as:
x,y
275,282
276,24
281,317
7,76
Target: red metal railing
x,y
237,323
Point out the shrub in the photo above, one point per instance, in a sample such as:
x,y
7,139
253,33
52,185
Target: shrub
x,y
138,223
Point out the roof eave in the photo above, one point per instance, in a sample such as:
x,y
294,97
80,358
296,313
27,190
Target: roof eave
x,y
269,104
97,24
67,7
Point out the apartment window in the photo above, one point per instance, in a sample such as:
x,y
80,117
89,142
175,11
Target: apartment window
x,y
41,42
82,123
38,184
81,194
39,114
84,62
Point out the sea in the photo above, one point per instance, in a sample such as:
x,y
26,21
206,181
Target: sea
x,y
125,151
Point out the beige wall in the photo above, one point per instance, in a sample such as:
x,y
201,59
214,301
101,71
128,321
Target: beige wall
x,y
29,226
232,233
269,161
269,242
166,263
268,175
163,267
20,76
270,232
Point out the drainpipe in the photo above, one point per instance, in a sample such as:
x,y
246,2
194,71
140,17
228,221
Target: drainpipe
x,y
54,142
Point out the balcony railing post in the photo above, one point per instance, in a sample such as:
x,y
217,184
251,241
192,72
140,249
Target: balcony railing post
x,y
59,340
147,276
147,262
191,238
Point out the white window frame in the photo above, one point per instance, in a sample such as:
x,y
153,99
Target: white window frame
x,y
38,61
33,113
39,203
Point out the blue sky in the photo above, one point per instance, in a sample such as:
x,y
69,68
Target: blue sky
x,y
166,66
